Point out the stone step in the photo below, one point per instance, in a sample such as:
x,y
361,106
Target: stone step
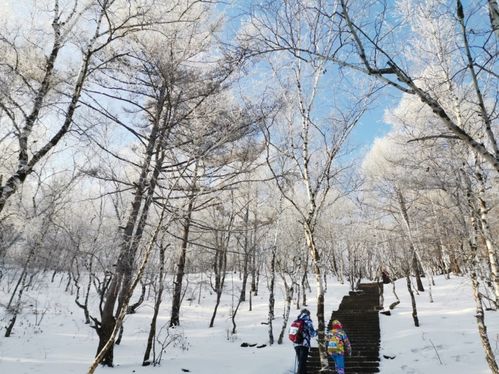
x,y
348,363
348,370
359,314
368,346
362,332
365,333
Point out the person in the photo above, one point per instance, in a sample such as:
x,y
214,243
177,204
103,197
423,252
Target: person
x,y
385,277
303,347
338,345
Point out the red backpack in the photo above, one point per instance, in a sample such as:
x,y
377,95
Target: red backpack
x,y
296,331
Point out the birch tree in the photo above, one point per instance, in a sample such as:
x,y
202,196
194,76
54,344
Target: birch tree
x,y
305,142
39,100
443,168
431,67
443,158
413,56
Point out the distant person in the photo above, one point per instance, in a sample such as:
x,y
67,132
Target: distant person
x,y
300,333
338,344
385,277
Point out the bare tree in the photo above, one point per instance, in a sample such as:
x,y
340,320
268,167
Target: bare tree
x,y
477,53
169,92
157,303
302,146
224,215
47,92
102,353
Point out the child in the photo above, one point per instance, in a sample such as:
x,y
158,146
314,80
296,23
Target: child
x,y
337,345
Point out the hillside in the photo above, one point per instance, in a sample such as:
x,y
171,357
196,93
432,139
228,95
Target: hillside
x,y
51,337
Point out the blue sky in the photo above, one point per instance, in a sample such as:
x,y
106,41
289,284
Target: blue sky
x,y
371,125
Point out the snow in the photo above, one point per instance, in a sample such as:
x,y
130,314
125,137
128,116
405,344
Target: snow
x,y
447,340
61,343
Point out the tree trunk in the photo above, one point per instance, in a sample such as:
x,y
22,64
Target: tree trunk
x,y
105,354
217,303
413,302
429,276
487,234
220,265
177,291
298,298
254,287
473,245
246,256
287,309
120,284
17,308
132,309
482,328
417,272
321,326
443,255
397,302
157,304
108,322
415,261
76,280
336,269
233,317
304,281
271,294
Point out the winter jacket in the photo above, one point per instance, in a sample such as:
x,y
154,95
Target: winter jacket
x,y
342,336
308,330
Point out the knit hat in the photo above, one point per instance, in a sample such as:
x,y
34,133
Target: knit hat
x,y
336,325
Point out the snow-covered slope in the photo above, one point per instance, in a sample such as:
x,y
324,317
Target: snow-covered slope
x,y
447,340
61,343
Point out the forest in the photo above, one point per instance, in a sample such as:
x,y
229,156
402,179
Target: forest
x,y
153,151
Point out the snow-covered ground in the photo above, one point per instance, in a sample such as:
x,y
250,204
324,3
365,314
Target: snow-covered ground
x,y
447,340
61,343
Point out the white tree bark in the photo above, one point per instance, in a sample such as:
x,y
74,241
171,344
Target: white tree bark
x,y
487,234
472,231
494,16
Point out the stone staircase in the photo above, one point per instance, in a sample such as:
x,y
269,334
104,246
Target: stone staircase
x,y
359,314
